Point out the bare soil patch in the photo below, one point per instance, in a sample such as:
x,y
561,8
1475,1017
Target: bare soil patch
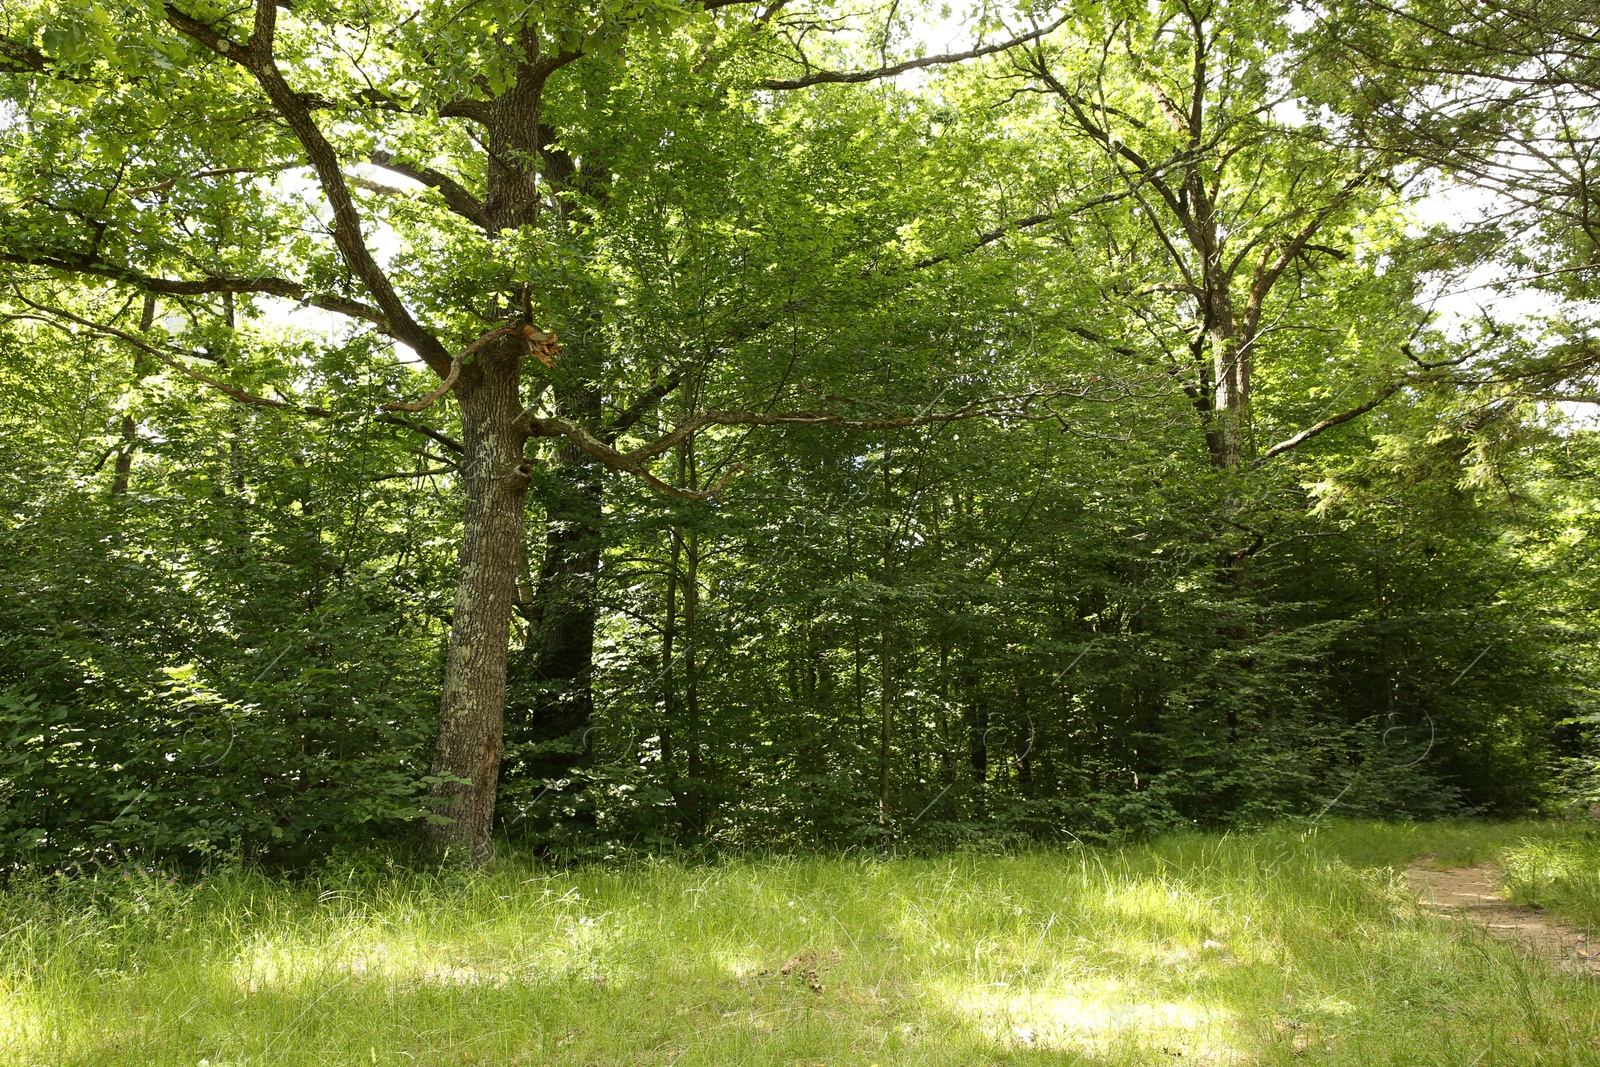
x,y
1476,895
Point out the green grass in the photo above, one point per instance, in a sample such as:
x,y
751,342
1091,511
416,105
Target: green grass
x,y
1317,954
1560,873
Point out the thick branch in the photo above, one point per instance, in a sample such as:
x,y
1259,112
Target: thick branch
x,y
427,402
835,77
1119,149
479,111
542,346
232,391
1268,274
362,182
84,264
630,415
414,474
15,55
1100,339
455,195
1328,423
427,431
257,58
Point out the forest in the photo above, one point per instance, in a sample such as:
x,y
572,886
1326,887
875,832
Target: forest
x,y
799,533
722,424
598,428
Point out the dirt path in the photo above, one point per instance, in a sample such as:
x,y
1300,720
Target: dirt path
x,y
1474,894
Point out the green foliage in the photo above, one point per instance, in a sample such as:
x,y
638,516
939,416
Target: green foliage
x,y
228,657
221,623
1561,873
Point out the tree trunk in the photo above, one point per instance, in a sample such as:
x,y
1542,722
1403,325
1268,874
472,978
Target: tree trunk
x,y
695,796
978,739
472,709
123,470
885,660
560,655
561,647
885,726
1230,352
669,678
1231,406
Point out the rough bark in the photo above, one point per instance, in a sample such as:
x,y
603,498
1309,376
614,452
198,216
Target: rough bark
x,y
524,168
471,710
1230,403
495,475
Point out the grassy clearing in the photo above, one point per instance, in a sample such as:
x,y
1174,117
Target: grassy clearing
x,y
1272,948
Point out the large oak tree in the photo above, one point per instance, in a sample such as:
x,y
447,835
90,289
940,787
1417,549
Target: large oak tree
x,y
204,155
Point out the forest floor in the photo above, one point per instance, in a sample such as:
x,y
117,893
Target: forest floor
x,y
1288,946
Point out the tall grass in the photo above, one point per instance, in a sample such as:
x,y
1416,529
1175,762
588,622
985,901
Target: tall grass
x,y
1277,947
1559,873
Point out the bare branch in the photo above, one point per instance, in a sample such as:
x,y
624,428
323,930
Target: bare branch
x,y
427,402
1329,423
834,77
371,186
455,195
269,286
542,346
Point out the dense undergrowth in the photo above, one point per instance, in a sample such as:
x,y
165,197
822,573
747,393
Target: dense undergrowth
x,y
1290,945
244,650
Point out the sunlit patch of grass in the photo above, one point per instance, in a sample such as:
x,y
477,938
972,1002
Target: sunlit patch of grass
x,y
1561,873
1277,947
22,1028
1099,1017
